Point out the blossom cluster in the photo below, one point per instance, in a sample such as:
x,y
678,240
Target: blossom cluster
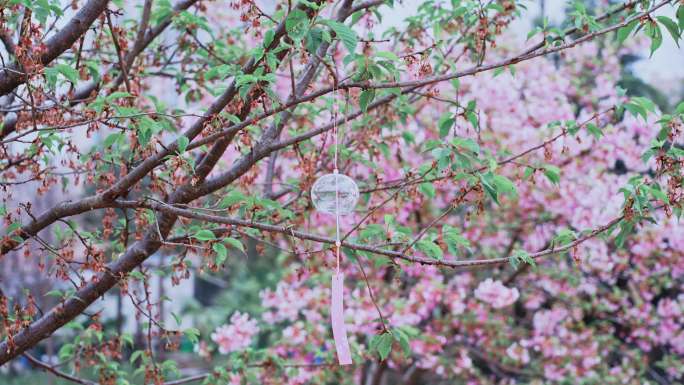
x,y
237,335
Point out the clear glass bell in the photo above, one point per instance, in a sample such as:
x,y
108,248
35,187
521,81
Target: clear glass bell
x,y
323,194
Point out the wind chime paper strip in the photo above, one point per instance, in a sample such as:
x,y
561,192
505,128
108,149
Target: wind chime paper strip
x,y
339,329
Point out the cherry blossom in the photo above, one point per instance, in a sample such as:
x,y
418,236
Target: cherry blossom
x,y
518,353
496,294
236,335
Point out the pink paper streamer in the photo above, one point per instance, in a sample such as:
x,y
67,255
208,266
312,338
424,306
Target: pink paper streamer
x,y
339,329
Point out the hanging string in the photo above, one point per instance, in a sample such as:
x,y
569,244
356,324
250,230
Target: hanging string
x,y
338,244
337,289
334,106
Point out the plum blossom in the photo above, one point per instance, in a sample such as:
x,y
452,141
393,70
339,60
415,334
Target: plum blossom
x,y
496,294
236,335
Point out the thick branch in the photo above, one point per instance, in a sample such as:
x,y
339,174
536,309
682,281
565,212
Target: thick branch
x,y
57,44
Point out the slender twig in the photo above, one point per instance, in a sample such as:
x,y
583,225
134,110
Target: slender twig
x,y
119,52
372,296
58,373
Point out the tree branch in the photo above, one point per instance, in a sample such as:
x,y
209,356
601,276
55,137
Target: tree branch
x,y
42,365
57,44
289,231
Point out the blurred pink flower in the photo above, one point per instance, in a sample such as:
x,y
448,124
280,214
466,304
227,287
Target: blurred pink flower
x,y
496,294
545,321
518,353
236,335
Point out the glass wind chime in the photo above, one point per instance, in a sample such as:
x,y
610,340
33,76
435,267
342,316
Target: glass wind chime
x,y
336,194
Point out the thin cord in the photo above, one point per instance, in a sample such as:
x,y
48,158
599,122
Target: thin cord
x,y
338,244
334,106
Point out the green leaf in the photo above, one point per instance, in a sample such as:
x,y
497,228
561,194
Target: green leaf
x,y
388,55
640,106
403,335
68,72
505,185
671,27
221,252
136,274
233,197
680,108
134,357
594,130
314,39
372,231
268,38
563,237
625,229
570,125
146,127
54,293
345,34
12,227
487,183
117,95
296,23
192,334
636,110
445,123
646,103
552,173
430,249
443,156
384,345
653,31
235,243
453,238
427,189
112,138
624,32
183,142
472,118
523,256
366,98
657,193
467,144
66,351
204,235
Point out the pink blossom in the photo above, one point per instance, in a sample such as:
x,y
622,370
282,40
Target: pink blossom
x,y
496,294
518,353
295,334
553,372
677,343
545,321
236,335
668,308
